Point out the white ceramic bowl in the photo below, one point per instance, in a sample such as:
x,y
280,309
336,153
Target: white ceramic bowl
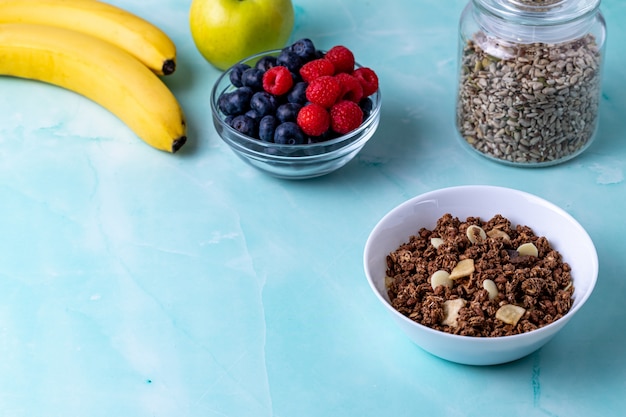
x,y
563,232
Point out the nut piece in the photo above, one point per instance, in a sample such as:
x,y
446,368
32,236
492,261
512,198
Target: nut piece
x,y
436,242
388,281
510,313
440,277
528,249
475,233
491,288
463,268
451,311
497,233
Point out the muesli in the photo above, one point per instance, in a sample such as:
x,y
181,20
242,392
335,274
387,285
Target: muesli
x,y
477,278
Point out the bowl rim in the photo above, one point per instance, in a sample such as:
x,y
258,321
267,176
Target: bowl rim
x,y
216,91
549,328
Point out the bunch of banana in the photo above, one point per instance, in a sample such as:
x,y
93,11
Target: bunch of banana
x,y
100,51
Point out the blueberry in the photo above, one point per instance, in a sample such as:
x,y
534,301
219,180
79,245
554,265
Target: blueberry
x,y
366,106
290,60
311,140
264,103
298,93
254,115
253,78
296,77
266,63
289,133
235,74
326,136
288,112
235,102
267,127
244,125
305,49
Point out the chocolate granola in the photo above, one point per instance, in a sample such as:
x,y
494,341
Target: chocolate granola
x,y
533,286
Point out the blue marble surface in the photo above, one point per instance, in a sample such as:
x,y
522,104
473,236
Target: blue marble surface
x,y
139,283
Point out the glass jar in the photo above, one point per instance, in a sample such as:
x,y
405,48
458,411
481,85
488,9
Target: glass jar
x,y
530,78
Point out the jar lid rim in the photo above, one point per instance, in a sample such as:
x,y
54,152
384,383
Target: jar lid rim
x,y
537,12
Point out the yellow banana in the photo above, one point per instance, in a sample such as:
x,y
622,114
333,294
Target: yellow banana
x,y
126,30
99,71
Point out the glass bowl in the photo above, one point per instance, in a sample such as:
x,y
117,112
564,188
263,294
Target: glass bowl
x,y
564,233
292,161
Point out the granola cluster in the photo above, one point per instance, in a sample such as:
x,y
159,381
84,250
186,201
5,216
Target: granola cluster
x,y
476,278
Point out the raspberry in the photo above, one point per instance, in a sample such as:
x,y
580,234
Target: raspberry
x,y
277,80
316,68
345,116
313,119
324,91
342,58
351,88
368,79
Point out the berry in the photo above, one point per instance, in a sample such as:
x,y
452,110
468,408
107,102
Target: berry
x,y
235,102
253,78
235,74
254,115
342,58
366,106
296,77
351,88
316,68
345,116
263,103
266,63
290,60
368,79
244,125
304,48
298,93
289,133
277,80
313,119
328,135
288,112
324,91
303,95
267,127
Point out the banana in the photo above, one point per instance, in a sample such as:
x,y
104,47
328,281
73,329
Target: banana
x,y
128,31
99,71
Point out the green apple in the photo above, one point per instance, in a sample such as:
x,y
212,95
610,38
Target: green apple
x,y
226,31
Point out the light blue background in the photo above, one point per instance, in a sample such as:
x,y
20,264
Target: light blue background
x,y
139,283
